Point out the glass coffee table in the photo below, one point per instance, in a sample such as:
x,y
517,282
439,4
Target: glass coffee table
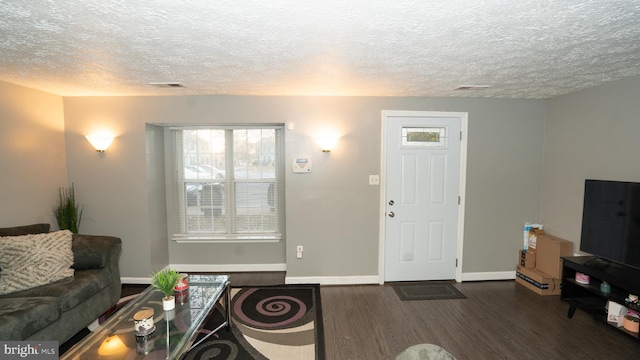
x,y
175,330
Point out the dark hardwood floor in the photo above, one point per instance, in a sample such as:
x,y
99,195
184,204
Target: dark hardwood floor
x,y
498,320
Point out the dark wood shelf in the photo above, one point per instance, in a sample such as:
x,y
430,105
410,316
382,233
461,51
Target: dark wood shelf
x,y
616,294
588,297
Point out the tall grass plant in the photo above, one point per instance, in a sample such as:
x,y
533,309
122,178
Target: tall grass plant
x,y
68,212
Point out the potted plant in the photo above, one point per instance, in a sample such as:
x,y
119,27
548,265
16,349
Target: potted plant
x,y
165,280
68,213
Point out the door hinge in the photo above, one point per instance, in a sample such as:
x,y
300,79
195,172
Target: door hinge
x,y
460,135
456,262
459,200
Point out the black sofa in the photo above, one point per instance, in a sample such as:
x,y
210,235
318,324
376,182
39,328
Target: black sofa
x,y
57,311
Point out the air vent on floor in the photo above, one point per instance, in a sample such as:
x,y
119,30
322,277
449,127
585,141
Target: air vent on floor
x,y
167,84
472,87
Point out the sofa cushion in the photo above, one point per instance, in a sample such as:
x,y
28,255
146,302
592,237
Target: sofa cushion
x,y
28,261
24,230
22,317
70,292
91,251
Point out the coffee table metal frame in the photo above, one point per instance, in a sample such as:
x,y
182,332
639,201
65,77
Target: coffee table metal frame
x,y
175,330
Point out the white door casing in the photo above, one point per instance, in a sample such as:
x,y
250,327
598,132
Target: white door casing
x,y
423,173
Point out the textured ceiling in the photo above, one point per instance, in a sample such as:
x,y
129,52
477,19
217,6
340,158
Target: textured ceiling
x,y
521,48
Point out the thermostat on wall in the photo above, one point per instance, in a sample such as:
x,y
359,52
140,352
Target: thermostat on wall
x,y
301,165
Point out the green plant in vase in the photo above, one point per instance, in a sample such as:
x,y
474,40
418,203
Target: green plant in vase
x,y
165,280
68,212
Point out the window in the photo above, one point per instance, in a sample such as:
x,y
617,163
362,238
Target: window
x,y
226,184
433,137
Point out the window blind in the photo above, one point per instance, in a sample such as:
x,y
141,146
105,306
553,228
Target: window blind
x,y
225,184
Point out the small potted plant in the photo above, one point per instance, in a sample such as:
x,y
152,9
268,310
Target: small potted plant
x,y
165,280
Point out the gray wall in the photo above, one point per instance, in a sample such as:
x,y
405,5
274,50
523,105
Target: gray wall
x,y
157,207
589,134
332,212
32,155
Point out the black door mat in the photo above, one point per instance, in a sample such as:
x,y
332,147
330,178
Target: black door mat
x,y
427,291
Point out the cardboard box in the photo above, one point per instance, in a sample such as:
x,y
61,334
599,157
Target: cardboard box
x,y
533,238
549,251
527,259
537,281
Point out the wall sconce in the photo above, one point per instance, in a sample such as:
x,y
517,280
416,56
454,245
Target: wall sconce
x,y
100,142
327,141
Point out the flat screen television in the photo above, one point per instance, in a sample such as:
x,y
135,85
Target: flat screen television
x,y
611,221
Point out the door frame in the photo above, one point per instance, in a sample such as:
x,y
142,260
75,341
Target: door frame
x,y
464,123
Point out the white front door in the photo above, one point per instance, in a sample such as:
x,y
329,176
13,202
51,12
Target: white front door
x,y
422,157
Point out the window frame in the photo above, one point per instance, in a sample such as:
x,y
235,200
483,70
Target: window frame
x,y
176,199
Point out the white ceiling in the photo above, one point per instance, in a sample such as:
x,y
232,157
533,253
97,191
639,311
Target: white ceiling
x,y
521,48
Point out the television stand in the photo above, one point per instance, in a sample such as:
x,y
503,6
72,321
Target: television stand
x,y
598,263
624,280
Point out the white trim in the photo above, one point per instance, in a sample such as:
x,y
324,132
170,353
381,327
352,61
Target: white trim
x,y
323,280
464,129
482,276
226,238
228,267
204,240
382,197
333,280
136,280
229,126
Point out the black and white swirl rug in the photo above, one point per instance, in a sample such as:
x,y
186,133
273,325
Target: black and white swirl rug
x,y
274,322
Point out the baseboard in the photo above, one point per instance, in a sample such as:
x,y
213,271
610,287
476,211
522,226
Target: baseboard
x,y
322,280
228,267
220,268
333,280
375,279
482,276
136,280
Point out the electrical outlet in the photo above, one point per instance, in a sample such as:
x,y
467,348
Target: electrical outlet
x,y
374,179
299,250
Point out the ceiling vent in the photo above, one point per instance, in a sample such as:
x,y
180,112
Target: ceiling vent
x,y
472,87
167,84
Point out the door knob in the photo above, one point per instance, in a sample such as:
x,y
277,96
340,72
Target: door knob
x,y
391,214
391,202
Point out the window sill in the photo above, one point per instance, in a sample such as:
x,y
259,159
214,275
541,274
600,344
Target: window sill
x,y
226,238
